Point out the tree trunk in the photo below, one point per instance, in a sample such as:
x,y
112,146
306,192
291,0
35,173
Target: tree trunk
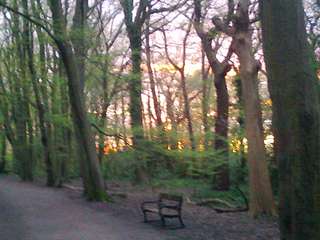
x,y
187,110
222,179
104,110
92,177
123,117
205,101
65,134
3,153
241,121
135,85
135,108
8,131
261,196
294,92
173,135
21,112
134,31
220,70
79,38
156,104
28,40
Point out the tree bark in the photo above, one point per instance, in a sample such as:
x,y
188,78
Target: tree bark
x,y
294,92
79,38
92,177
3,153
222,179
135,85
134,31
261,196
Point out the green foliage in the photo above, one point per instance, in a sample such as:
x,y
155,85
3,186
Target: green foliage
x,y
123,164
232,196
238,170
61,120
119,165
167,164
196,164
93,195
194,81
274,176
198,189
172,183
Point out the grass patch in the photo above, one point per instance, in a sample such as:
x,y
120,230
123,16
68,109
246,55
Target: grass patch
x,y
199,189
178,183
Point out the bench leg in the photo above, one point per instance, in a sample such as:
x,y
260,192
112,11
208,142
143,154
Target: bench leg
x,y
145,217
181,222
163,221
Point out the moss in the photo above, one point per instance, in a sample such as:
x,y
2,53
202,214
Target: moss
x,y
99,196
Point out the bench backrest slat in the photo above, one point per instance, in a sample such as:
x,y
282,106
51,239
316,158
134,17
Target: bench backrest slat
x,y
170,197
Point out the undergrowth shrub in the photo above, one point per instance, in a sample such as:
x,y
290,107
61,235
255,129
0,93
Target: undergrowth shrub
x,y
161,163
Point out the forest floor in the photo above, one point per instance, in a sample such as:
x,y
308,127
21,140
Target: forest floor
x,y
34,212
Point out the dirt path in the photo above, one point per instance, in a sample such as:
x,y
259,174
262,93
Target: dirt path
x,y
31,212
34,212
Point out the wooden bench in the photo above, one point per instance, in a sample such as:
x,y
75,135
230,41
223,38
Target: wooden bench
x,y
167,206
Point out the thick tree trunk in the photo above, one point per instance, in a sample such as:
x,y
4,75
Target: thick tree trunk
x,y
80,39
3,152
220,70
222,179
294,92
135,108
221,124
135,85
261,196
134,31
93,181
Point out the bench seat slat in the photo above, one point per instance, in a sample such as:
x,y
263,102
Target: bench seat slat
x,y
148,209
